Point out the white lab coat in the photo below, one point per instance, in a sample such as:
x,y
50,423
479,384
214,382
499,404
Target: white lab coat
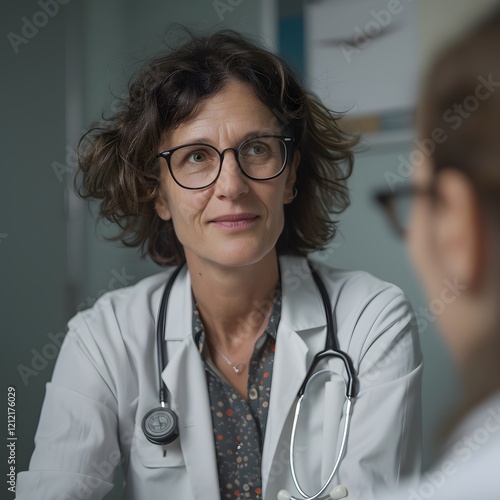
x,y
105,380
470,464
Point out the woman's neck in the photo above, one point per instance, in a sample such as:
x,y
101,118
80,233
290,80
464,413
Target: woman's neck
x,y
233,301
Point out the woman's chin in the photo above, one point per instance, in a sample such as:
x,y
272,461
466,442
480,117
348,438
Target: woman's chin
x,y
240,255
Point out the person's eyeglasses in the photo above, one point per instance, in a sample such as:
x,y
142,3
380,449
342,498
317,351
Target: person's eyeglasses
x,y
397,205
198,165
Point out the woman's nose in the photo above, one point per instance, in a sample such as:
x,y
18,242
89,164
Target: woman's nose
x,y
232,182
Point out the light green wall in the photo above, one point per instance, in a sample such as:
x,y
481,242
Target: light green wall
x,y
32,211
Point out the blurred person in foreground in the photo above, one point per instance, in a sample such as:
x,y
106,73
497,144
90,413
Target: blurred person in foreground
x,y
453,234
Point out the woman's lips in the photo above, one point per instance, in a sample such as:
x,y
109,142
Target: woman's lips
x,y
235,221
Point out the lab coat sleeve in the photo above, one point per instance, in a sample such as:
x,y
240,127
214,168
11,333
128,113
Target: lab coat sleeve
x,y
76,443
384,446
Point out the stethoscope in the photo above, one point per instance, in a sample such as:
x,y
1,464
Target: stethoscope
x,y
160,425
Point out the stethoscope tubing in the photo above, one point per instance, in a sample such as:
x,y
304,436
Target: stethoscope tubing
x,y
345,432
160,332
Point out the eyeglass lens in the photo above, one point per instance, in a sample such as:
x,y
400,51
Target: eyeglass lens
x,y
402,208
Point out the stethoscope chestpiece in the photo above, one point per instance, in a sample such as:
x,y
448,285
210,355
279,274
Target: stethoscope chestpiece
x,y
160,426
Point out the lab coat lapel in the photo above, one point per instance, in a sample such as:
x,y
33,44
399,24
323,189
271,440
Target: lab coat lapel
x,y
186,382
301,334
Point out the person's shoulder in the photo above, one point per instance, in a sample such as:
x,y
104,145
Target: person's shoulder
x,y
362,300
137,295
125,307
372,316
356,284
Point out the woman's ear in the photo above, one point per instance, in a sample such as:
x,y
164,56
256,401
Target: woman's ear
x,y
461,231
161,206
290,189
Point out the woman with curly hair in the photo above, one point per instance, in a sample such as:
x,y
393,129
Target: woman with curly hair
x,y
226,171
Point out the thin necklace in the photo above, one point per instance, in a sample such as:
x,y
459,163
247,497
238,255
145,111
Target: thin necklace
x,y
240,366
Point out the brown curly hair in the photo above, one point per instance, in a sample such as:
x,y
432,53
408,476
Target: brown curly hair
x,y
117,157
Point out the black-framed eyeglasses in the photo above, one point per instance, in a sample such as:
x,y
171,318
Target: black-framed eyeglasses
x,y
397,205
198,165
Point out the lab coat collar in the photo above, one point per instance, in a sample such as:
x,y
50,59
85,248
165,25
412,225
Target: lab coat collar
x,y
302,308
301,326
299,293
178,324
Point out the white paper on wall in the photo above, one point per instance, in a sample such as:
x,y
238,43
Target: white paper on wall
x,y
362,55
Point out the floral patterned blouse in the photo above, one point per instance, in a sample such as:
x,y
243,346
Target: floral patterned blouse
x,y
239,425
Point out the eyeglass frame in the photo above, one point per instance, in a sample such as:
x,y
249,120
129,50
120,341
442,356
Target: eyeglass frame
x,y
287,141
386,198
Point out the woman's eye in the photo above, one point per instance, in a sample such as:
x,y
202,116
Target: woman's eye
x,y
197,157
255,149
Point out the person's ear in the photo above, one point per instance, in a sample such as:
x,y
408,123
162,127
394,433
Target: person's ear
x,y
161,206
290,189
461,236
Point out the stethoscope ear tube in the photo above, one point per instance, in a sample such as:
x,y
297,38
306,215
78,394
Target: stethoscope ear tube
x,y
352,380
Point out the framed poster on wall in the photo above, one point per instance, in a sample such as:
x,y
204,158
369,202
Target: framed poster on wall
x,y
362,58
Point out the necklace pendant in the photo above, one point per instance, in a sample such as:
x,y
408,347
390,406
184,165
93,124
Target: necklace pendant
x,y
238,367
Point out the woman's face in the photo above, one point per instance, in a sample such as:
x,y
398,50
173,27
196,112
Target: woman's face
x,y
237,220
